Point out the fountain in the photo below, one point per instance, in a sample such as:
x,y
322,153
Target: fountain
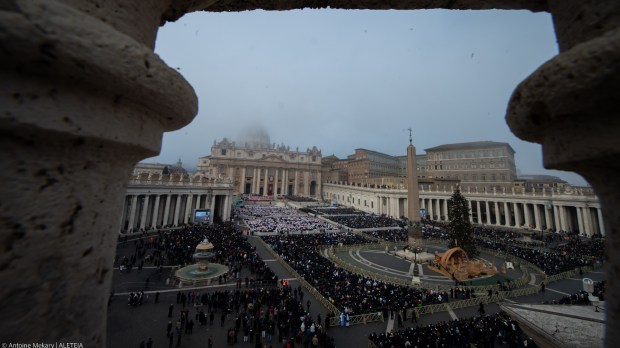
x,y
202,271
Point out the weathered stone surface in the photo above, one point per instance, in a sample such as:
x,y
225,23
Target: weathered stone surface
x,y
560,325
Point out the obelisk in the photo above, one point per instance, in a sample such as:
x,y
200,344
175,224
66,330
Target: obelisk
x,y
413,198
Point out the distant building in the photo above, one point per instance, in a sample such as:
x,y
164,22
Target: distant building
x,y
159,168
479,165
257,167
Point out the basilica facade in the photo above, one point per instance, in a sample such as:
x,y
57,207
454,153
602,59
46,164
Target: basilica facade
x,y
257,167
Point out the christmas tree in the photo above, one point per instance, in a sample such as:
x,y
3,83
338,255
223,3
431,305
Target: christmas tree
x,y
460,230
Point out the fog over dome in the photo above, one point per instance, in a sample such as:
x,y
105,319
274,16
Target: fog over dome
x,y
255,136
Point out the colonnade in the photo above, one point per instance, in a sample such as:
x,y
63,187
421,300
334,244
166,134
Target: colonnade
x,y
151,211
535,211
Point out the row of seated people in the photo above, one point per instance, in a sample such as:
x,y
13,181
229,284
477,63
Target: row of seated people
x,y
345,289
367,221
288,224
334,211
300,199
481,331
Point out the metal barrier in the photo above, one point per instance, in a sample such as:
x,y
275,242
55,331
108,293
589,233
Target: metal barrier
x,y
330,307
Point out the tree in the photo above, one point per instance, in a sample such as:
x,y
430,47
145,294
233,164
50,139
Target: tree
x,y
460,230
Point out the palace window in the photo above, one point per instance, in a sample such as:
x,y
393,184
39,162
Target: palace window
x,y
223,152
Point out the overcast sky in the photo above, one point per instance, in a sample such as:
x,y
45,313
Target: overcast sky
x,y
342,80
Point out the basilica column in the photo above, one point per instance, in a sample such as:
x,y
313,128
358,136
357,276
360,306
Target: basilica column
x,y
145,210
295,185
242,181
198,199
284,178
266,182
132,214
275,184
155,212
307,183
212,207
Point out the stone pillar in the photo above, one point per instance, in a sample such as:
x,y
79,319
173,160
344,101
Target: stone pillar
x,y
254,177
198,199
580,220
266,183
488,213
188,209
307,183
563,221
498,219
507,216
213,195
167,209
132,213
177,208
601,224
518,220
556,218
242,181
83,98
479,213
438,208
145,210
431,210
445,208
526,214
587,224
155,212
471,215
537,221
275,184
550,106
295,188
548,221
284,178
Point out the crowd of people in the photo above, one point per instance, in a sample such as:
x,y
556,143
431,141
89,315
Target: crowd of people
x,y
480,331
349,292
275,219
300,199
367,221
334,211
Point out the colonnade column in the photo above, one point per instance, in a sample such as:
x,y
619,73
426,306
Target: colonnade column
x,y
563,223
488,213
431,209
518,221
445,208
580,219
556,218
498,220
145,210
507,216
266,182
601,225
548,221
438,208
526,213
155,212
177,208
132,213
188,208
284,179
254,180
537,217
478,212
198,199
212,206
471,215
167,209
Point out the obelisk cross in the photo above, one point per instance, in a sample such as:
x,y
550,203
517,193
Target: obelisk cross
x,y
410,139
